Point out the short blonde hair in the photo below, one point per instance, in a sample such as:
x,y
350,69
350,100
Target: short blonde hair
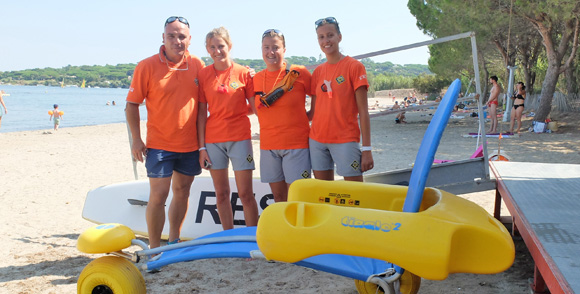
x,y
220,32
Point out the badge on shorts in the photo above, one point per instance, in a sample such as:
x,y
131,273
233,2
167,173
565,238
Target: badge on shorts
x,y
355,165
196,82
305,174
250,159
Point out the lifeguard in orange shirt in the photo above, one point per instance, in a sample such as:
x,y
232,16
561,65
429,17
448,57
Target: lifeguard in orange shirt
x,y
226,91
340,86
284,123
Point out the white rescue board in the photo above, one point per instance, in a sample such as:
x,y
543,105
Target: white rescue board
x,y
125,203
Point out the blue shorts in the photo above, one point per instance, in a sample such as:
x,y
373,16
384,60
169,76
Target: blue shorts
x,y
161,163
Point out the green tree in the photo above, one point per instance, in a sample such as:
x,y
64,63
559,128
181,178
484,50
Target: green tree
x,y
556,22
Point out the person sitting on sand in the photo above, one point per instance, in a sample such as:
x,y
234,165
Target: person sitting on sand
x,y
400,118
56,115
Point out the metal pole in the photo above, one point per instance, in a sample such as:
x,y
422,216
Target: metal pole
x,y
508,93
131,148
479,105
405,47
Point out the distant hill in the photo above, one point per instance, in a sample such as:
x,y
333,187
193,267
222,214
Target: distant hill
x,y
119,76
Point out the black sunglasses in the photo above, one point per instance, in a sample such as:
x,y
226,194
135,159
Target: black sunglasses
x,y
270,32
322,21
174,18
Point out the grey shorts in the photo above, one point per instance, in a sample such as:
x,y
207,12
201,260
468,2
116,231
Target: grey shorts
x,y
346,156
284,165
239,152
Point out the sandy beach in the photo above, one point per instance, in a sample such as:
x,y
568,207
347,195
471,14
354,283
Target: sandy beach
x,y
44,178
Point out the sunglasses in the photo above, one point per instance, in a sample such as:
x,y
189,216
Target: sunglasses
x,y
322,21
174,18
270,32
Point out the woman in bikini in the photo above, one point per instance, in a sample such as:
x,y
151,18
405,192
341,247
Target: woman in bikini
x,y
519,97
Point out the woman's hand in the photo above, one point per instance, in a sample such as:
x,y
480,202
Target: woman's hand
x,y
204,160
367,162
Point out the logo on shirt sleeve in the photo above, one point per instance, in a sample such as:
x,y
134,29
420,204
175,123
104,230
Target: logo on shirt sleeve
x,y
363,77
131,89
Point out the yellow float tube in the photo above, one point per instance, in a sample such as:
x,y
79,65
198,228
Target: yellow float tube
x,y
105,238
448,235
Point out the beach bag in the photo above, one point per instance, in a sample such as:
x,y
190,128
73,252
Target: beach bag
x,y
539,127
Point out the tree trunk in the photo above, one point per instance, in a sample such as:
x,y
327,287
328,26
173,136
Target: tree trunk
x,y
531,83
548,89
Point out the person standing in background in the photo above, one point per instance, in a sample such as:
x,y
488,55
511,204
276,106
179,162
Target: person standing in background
x,y
2,93
492,104
169,84
516,114
55,115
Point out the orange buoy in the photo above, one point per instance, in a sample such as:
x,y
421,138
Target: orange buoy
x,y
498,158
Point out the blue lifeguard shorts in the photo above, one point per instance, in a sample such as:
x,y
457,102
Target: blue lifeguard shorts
x,y
161,163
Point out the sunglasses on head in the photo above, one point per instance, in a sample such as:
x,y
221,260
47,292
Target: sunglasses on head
x,y
322,21
271,32
174,18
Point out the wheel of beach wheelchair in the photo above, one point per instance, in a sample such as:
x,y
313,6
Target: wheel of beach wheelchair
x,y
409,284
111,275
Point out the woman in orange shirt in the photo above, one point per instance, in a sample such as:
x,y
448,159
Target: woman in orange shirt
x,y
226,88
284,124
341,101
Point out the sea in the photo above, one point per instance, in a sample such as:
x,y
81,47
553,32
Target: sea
x,y
28,107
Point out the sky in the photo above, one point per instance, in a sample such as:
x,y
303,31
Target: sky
x,y
39,33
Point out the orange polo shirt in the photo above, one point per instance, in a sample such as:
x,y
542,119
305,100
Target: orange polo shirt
x,y
336,119
284,125
228,112
171,94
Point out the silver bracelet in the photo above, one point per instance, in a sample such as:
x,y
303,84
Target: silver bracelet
x,y
202,148
366,148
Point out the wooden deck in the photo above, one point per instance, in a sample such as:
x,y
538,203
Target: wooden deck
x,y
544,200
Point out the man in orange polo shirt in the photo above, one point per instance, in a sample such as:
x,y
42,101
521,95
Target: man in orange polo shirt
x,y
167,81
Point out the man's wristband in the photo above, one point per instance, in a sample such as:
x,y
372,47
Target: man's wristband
x,y
202,148
366,148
